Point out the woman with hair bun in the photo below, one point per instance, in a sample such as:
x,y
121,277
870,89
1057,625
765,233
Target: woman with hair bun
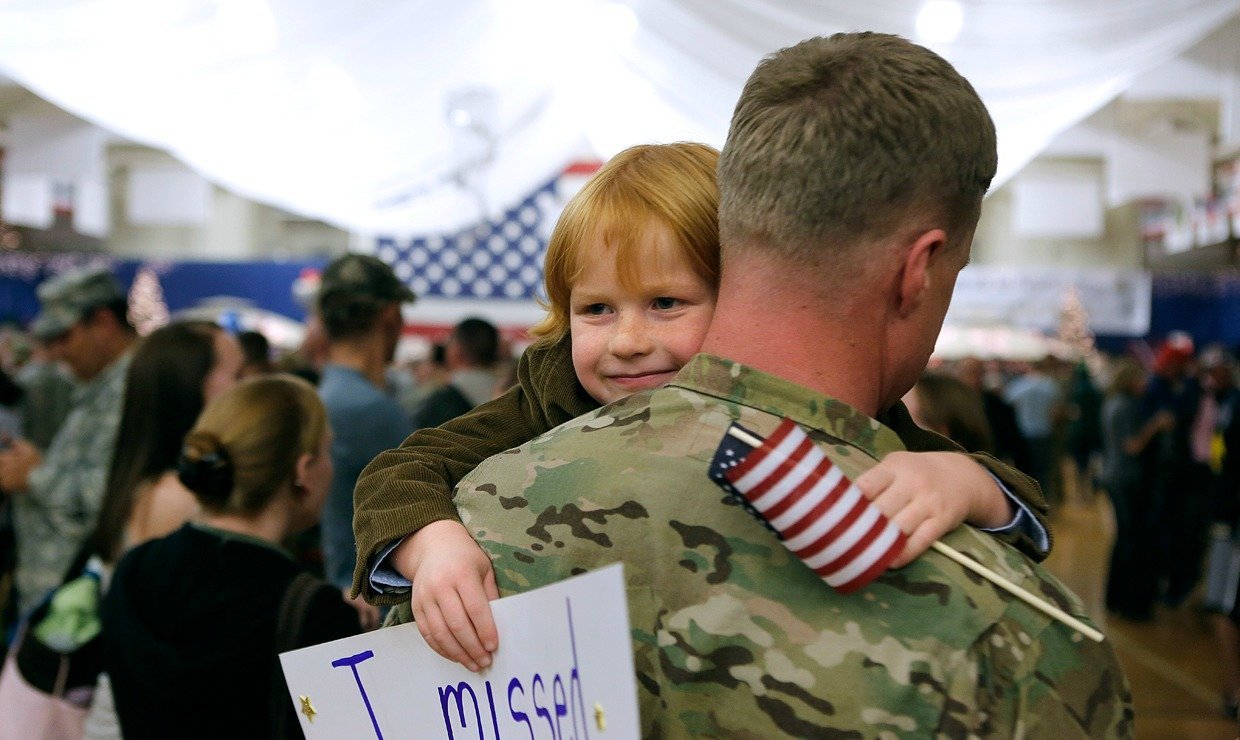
x,y
193,622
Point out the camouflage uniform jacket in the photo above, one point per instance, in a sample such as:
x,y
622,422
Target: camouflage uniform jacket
x,y
60,507
735,637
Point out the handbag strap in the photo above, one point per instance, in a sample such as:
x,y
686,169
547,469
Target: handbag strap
x,y
289,621
293,611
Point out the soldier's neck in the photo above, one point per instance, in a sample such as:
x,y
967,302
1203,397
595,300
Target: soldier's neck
x,y
765,320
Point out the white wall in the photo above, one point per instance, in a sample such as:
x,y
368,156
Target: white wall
x,y
999,242
49,151
1166,162
1158,139
1216,59
235,228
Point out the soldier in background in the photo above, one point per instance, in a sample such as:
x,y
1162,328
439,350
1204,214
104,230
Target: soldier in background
x,y
47,395
850,183
57,495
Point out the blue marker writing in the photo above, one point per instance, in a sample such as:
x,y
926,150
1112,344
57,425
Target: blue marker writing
x,y
352,662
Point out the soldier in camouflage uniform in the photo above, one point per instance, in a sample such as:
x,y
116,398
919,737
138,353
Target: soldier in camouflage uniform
x,y
733,635
57,496
850,183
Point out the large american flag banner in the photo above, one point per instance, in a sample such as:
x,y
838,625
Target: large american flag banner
x,y
793,488
494,259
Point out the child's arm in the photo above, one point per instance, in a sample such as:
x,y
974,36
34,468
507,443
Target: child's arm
x,y
405,489
405,496
930,493
452,583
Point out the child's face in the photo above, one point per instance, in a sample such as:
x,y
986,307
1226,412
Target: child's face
x,y
629,340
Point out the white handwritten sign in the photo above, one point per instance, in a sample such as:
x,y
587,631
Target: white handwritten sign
x,y
564,669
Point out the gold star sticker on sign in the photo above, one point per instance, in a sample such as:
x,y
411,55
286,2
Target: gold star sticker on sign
x,y
307,708
600,717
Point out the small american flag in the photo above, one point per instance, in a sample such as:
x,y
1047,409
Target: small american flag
x,y
791,486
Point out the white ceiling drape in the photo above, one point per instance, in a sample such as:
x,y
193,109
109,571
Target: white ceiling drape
x,y
422,115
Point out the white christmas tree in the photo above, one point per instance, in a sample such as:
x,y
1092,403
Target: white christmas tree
x,y
1074,331
147,310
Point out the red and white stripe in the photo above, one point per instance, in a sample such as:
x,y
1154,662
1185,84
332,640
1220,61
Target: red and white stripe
x,y
824,518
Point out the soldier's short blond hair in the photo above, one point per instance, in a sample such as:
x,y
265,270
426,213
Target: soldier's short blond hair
x,y
668,184
837,140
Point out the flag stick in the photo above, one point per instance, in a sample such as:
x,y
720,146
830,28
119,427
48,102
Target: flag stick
x,y
1040,604
950,552
746,437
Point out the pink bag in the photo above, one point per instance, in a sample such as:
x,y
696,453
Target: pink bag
x,y
27,713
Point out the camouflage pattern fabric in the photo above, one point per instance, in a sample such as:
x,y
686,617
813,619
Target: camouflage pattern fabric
x,y
733,636
60,507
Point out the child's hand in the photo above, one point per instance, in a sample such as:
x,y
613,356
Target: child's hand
x,y
452,583
928,494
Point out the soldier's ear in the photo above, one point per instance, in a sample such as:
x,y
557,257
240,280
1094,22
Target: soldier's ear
x,y
916,273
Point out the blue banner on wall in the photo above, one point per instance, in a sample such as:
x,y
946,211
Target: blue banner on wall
x,y
267,285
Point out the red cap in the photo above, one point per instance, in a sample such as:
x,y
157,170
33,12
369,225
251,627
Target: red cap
x,y
1173,355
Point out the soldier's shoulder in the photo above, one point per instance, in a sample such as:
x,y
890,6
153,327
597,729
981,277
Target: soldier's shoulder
x,y
993,602
666,422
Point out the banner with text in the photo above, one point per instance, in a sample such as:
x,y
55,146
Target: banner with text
x,y
1117,301
564,669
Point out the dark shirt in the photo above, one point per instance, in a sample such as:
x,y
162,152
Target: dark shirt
x,y
442,405
189,635
1172,449
1121,421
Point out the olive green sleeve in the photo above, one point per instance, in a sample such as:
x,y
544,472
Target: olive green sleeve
x,y
404,489
1020,485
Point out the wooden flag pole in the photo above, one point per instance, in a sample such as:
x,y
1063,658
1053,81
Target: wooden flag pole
x,y
1036,602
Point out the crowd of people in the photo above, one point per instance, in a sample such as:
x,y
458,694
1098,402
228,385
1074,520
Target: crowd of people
x,y
159,495
1153,438
170,480
1157,435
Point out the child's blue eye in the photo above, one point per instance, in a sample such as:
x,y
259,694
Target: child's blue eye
x,y
596,309
664,303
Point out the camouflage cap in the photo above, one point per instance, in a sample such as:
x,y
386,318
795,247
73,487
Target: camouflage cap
x,y
67,298
362,276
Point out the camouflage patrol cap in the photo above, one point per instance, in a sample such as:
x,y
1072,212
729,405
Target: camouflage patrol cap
x,y
67,298
363,277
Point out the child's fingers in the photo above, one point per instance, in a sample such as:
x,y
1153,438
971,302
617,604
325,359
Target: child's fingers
x,y
889,492
488,585
902,506
875,480
459,620
911,520
435,631
482,624
924,527
919,540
